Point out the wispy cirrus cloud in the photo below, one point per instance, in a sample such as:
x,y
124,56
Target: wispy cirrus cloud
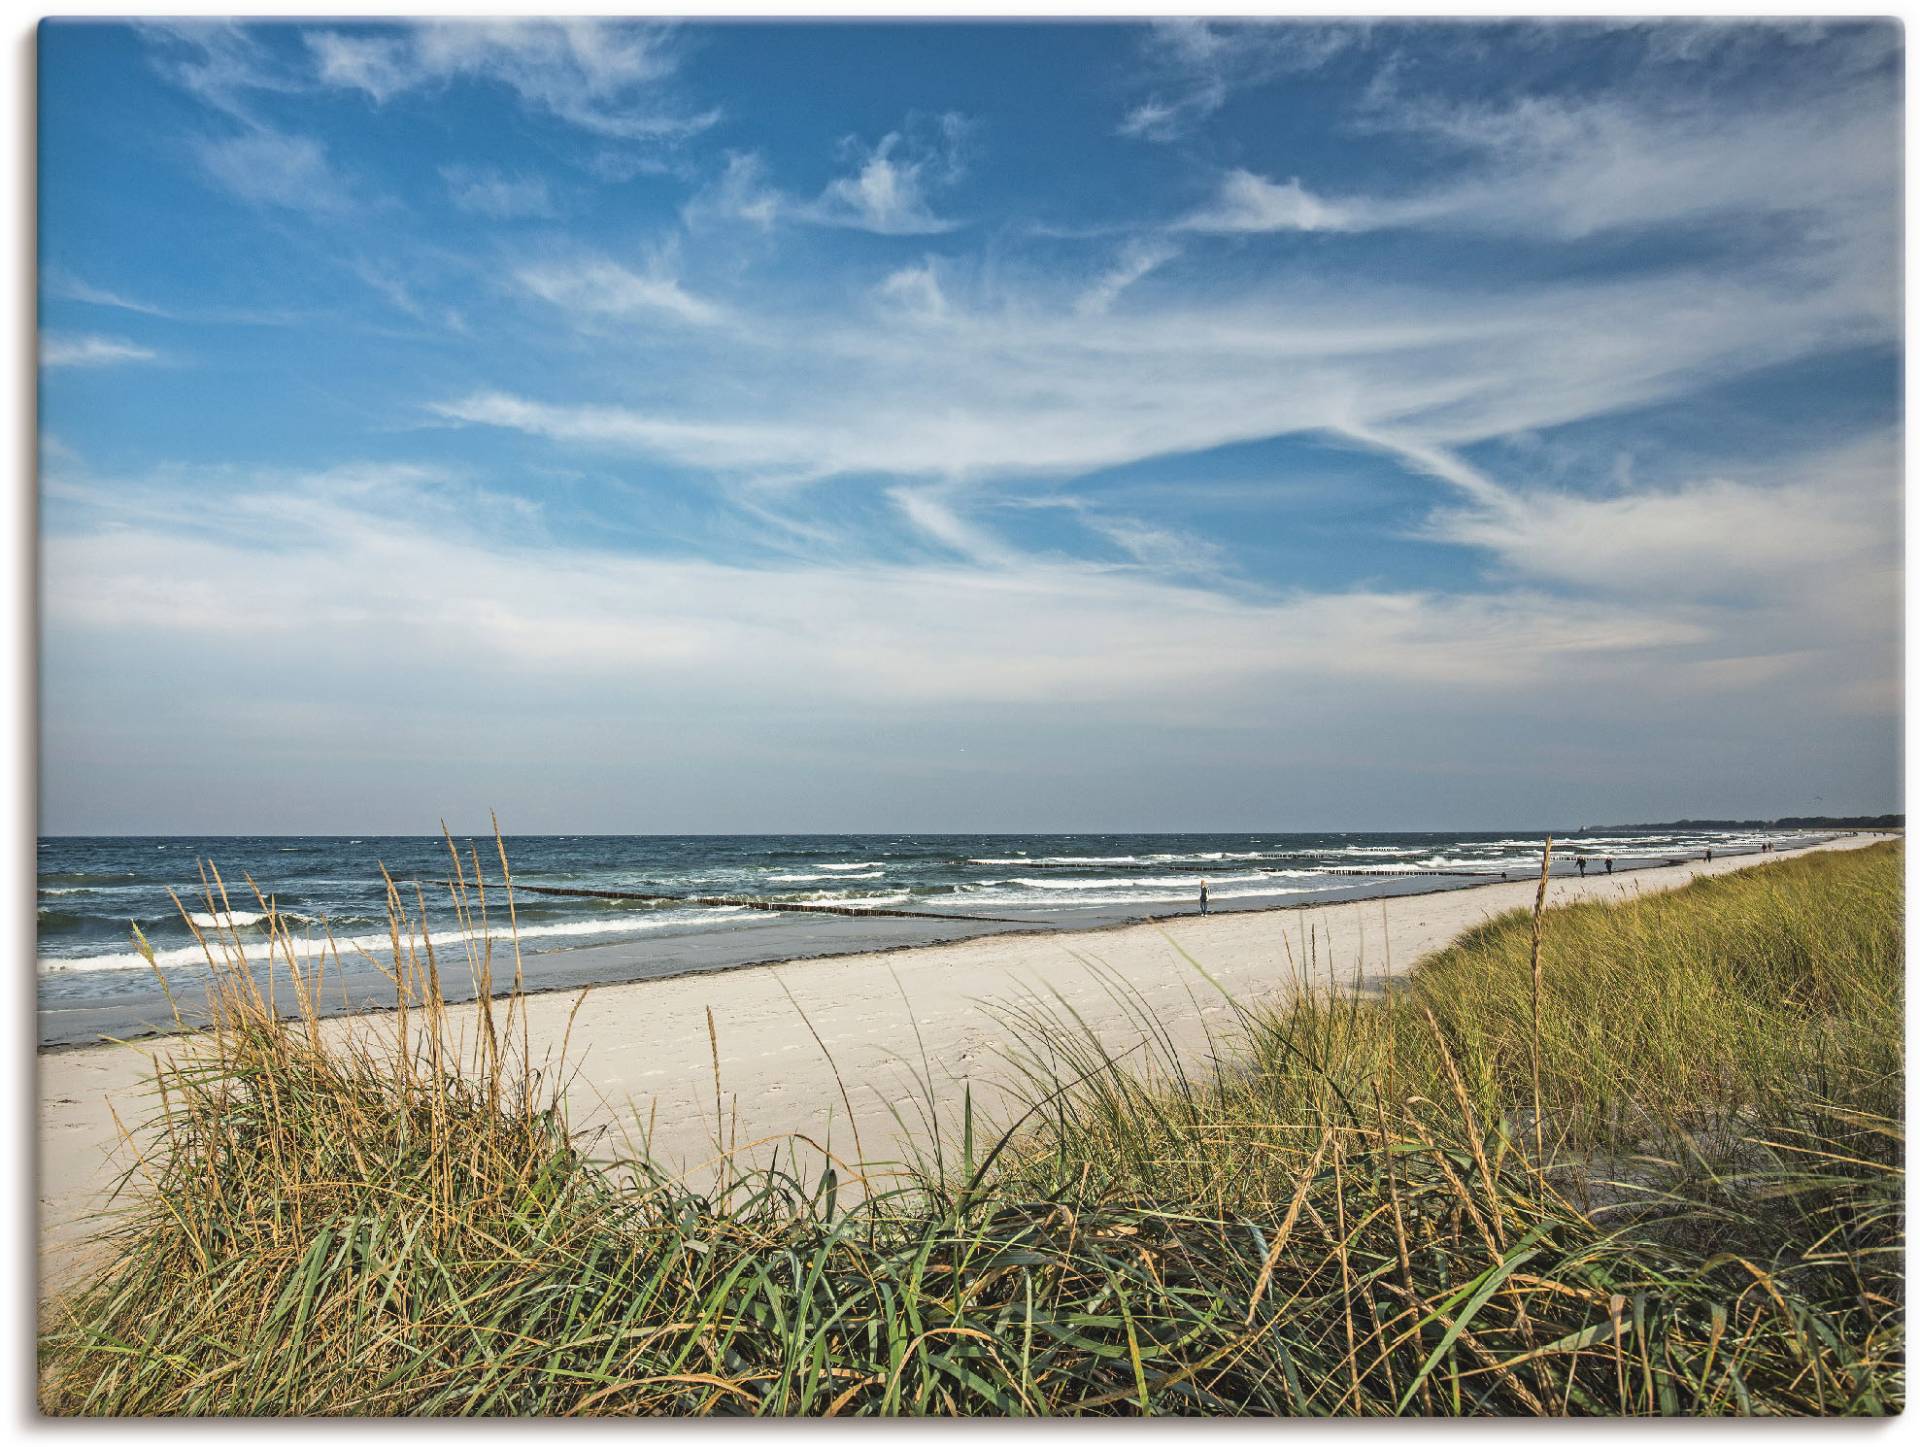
x,y
1192,67
227,67
1015,385
915,291
1139,258
1573,168
1809,528
275,168
58,282
605,77
592,287
1158,547
889,191
64,284
1248,203
490,192
64,349
903,636
222,63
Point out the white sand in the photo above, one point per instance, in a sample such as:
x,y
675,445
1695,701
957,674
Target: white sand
x,y
643,1048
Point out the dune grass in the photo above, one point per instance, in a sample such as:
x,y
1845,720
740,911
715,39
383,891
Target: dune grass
x,y
1368,1207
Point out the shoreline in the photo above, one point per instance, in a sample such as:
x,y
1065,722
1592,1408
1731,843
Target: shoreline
x,y
574,969
641,1049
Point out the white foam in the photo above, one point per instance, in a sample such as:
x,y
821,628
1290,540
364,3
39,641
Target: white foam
x,y
1188,897
239,919
867,901
312,946
1148,882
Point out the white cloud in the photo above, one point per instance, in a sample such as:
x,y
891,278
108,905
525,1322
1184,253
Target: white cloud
x,y
486,191
889,191
1019,385
377,65
360,585
220,62
272,168
63,284
1194,66
55,281
1793,565
602,76
934,515
731,446
596,287
741,193
1160,548
1569,169
916,291
1137,259
60,349
1802,529
1249,203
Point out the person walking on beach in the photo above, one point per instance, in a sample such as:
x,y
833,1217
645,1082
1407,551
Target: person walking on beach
x,y
1203,896
1609,864
1582,862
1709,854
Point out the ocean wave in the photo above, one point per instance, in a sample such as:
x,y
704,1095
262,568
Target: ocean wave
x,y
851,901
1113,861
237,919
1148,882
313,946
1135,898
865,864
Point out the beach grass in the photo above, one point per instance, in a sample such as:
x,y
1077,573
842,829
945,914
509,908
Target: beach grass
x,y
1653,1167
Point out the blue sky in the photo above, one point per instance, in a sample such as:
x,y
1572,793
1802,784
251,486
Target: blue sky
x,y
745,427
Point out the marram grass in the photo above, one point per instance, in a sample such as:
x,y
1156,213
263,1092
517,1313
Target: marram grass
x,y
1359,1211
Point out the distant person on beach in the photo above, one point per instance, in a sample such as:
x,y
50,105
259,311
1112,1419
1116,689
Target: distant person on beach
x,y
1582,862
1709,856
1609,864
1203,896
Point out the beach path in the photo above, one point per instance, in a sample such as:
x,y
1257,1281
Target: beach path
x,y
643,1053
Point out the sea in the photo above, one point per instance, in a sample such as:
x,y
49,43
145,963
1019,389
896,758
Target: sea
x,y
637,906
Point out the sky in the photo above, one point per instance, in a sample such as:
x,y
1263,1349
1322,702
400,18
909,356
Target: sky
x,y
710,428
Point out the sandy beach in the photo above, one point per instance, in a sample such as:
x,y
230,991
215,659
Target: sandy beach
x,y
643,1054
